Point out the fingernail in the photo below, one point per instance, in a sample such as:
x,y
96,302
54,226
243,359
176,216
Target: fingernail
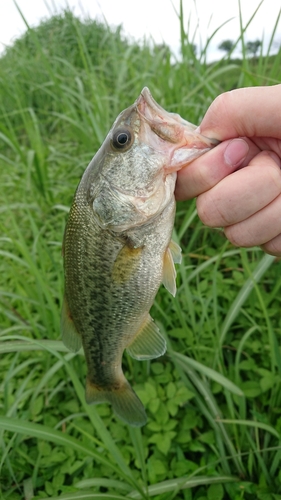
x,y
236,152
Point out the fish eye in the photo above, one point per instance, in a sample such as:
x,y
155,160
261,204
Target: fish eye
x,y
122,139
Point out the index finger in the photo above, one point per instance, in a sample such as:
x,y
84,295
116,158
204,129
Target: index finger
x,y
209,169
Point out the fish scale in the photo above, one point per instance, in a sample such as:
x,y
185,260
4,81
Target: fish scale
x,y
118,249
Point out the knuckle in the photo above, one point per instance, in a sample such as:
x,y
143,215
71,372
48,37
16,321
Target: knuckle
x,y
231,234
211,210
204,211
201,210
238,237
273,247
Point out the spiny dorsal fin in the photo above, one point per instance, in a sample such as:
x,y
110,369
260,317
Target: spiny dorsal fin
x,y
175,251
169,273
70,337
148,343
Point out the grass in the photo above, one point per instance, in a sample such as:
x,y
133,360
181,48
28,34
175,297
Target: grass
x,y
214,400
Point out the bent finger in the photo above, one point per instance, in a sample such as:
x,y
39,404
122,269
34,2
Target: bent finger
x,y
273,247
205,172
243,193
258,229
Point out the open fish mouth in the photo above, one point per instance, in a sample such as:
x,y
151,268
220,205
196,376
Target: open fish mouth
x,y
155,115
171,127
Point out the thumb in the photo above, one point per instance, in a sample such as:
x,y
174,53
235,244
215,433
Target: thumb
x,y
249,112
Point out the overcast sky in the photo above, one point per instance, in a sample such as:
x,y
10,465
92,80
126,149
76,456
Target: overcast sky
x,y
156,18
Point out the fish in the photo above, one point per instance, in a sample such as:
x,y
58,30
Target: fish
x,y
117,247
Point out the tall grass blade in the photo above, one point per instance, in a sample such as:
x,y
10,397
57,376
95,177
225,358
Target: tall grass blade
x,y
244,293
183,483
188,363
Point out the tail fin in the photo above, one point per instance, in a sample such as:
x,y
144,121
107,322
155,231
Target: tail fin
x,y
124,400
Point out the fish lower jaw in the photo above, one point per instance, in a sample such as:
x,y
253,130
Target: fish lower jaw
x,y
183,156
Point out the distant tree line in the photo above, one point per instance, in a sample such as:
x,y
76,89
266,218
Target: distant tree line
x,y
252,47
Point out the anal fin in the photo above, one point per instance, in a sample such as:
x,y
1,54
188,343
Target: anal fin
x,y
148,343
70,337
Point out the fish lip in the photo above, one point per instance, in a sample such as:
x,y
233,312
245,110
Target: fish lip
x,y
146,98
153,114
186,143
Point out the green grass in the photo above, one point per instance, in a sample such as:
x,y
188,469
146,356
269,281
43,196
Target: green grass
x,y
214,400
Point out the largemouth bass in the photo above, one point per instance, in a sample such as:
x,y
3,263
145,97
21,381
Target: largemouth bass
x,y
118,249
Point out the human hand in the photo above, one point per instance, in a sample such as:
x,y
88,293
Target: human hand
x,y
247,203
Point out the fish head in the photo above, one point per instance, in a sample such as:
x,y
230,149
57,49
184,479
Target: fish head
x,y
132,177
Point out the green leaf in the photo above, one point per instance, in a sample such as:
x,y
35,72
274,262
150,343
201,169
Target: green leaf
x,y
251,388
172,407
268,382
171,390
153,405
37,405
49,488
158,467
154,426
183,467
163,440
215,492
182,396
150,390
207,437
157,368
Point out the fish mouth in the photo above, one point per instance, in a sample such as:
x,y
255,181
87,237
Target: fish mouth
x,y
184,143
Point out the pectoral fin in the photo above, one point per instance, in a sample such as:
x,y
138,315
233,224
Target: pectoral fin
x,y
148,343
172,254
175,251
70,337
125,264
169,273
